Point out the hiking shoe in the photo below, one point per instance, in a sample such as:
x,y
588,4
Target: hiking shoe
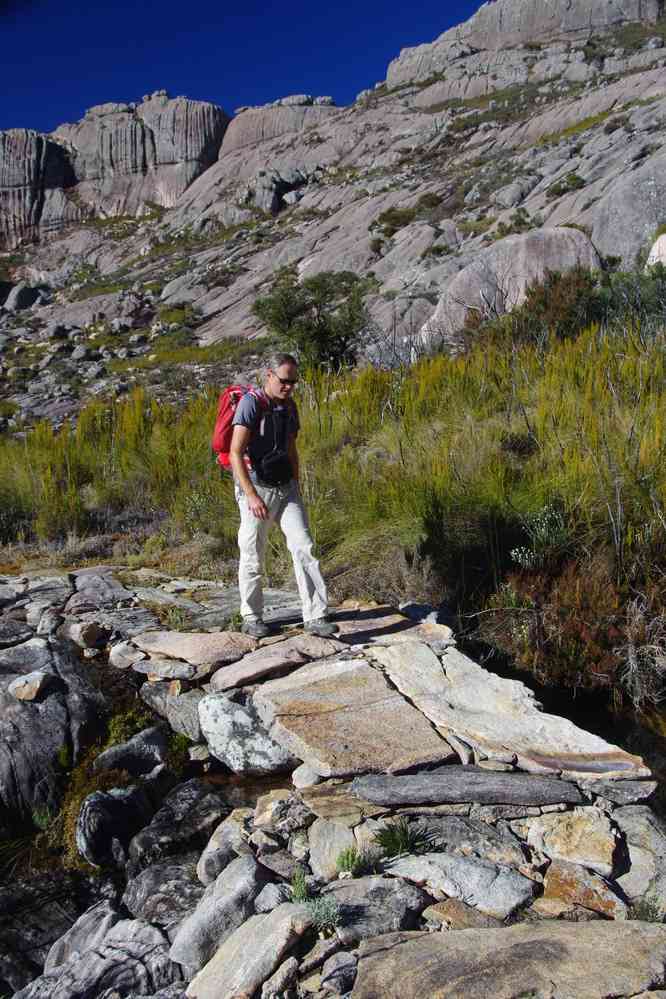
x,y
255,629
321,627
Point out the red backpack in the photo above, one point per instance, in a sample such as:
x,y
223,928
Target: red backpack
x,y
226,408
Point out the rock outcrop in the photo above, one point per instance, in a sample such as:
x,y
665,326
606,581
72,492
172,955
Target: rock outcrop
x,y
119,160
506,23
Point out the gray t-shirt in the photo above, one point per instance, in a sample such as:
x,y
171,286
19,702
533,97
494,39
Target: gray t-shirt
x,y
269,426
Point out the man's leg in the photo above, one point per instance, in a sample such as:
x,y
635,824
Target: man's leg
x,y
311,586
252,535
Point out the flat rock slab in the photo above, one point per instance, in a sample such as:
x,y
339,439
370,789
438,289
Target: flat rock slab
x,y
275,659
334,800
197,648
499,717
464,784
342,718
250,955
555,960
385,626
497,891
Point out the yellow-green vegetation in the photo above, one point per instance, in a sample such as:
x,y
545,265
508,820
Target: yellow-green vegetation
x,y
358,862
475,227
571,182
168,354
393,219
552,138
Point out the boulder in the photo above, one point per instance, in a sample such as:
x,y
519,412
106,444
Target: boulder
x,y
579,961
273,660
463,784
281,981
466,836
131,958
251,955
200,649
327,839
569,887
139,755
629,211
185,821
164,892
495,890
107,821
496,279
583,836
645,836
32,686
36,733
338,973
236,736
343,718
373,905
87,932
35,914
227,842
225,905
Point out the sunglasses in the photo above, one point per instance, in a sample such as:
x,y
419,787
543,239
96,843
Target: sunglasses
x,y
287,381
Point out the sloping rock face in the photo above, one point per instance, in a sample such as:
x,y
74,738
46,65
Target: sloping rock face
x,y
125,156
40,736
35,173
513,22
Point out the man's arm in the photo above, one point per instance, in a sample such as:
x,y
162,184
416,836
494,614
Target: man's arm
x,y
292,451
239,442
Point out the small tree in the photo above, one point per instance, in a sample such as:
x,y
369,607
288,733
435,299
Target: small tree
x,y
320,318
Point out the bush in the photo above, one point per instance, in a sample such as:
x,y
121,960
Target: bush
x,y
325,914
319,318
402,836
357,862
572,182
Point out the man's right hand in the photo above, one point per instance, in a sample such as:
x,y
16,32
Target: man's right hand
x,y
258,507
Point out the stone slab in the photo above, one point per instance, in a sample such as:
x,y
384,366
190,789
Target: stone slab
x,y
495,890
499,718
555,959
342,718
385,626
197,648
275,659
465,784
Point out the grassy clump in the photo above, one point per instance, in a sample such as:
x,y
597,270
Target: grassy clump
x,y
648,909
357,862
300,891
325,913
401,836
571,182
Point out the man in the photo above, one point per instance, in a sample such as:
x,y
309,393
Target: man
x,y
267,492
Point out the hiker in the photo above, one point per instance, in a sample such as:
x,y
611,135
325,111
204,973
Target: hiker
x,y
265,426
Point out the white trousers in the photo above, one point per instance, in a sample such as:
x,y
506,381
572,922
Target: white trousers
x,y
285,508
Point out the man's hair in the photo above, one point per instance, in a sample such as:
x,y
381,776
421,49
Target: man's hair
x,y
273,361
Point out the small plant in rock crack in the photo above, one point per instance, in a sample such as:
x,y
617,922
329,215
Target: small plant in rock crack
x,y
648,909
357,862
300,890
325,914
402,836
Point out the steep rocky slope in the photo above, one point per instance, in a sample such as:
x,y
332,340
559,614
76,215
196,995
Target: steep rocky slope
x,y
530,137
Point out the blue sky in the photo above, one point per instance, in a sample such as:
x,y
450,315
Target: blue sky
x,y
60,58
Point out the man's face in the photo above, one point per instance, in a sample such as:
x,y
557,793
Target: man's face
x,y
281,382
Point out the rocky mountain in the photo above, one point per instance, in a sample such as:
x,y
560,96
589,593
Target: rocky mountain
x,y
530,137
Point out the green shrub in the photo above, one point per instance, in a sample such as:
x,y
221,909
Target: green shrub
x,y
325,914
320,318
571,182
402,836
300,891
648,909
357,862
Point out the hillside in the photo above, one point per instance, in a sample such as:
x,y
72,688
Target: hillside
x,y
148,227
